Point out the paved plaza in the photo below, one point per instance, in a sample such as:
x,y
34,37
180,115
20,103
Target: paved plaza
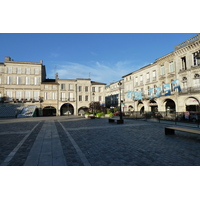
x,y
76,141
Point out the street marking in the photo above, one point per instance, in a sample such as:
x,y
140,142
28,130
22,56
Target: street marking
x,y
78,150
14,151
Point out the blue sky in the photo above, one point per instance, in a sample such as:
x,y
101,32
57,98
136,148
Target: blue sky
x,y
104,57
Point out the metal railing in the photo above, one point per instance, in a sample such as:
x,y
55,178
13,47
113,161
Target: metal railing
x,y
67,99
178,118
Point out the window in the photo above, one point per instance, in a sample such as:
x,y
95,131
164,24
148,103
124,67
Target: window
x,y
9,80
62,96
148,77
9,95
27,70
141,79
93,89
195,58
154,75
80,98
184,81
86,88
71,87
86,98
53,86
79,88
9,70
45,96
36,71
36,95
27,80
196,80
171,66
184,66
71,96
162,70
19,70
99,89
62,86
37,80
54,95
27,95
136,80
45,86
19,80
18,95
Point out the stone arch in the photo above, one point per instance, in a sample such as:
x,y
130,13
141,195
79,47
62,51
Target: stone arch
x,y
49,111
192,104
153,104
82,110
66,109
170,105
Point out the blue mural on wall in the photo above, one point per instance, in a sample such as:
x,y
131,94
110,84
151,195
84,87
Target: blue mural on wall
x,y
157,91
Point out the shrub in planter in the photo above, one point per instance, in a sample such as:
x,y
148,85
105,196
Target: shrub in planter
x,y
100,114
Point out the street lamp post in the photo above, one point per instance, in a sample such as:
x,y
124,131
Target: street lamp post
x,y
93,102
120,105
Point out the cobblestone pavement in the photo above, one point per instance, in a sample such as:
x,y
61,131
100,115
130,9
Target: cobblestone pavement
x,y
76,141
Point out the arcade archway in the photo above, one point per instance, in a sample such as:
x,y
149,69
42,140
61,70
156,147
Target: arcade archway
x,y
170,106
153,105
192,104
49,111
82,110
66,109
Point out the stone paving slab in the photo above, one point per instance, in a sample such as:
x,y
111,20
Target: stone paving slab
x,y
76,141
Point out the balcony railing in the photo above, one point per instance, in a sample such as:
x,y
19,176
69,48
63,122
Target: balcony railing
x,y
190,90
67,99
187,42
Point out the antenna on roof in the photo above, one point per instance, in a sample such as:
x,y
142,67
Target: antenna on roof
x,y
55,69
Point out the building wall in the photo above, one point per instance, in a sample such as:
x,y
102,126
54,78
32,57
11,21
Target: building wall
x,y
181,66
25,83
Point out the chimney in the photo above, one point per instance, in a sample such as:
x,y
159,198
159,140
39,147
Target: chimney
x,y
7,58
56,77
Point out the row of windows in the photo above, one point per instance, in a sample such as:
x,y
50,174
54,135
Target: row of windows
x,y
23,95
80,98
80,88
19,70
22,80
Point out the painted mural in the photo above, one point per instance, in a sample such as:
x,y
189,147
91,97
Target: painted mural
x,y
157,92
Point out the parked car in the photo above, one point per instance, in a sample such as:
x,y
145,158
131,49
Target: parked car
x,y
117,113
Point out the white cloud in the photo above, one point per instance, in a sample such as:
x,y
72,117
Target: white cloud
x,y
97,71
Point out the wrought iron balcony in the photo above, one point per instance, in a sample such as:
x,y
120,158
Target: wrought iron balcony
x,y
67,99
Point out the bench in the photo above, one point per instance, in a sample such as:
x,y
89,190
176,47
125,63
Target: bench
x,y
91,117
171,130
111,120
118,121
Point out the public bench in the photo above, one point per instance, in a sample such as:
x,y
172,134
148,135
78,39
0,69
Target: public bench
x,y
91,117
171,130
118,121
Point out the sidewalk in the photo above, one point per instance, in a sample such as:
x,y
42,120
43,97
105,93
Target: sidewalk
x,y
47,149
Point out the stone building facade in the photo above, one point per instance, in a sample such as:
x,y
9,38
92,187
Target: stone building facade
x,y
25,83
170,84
